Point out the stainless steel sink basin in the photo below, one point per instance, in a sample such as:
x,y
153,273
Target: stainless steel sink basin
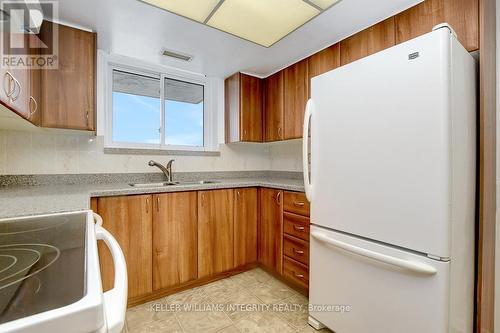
x,y
162,184
199,182
204,182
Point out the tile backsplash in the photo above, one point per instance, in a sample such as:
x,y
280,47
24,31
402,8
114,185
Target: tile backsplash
x,y
49,152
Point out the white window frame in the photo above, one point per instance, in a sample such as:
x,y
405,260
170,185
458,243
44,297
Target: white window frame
x,y
162,72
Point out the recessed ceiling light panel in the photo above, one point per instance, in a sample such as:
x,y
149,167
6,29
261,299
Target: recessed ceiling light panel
x,y
263,22
324,4
196,10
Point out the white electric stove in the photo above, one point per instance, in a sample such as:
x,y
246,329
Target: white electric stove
x,y
50,279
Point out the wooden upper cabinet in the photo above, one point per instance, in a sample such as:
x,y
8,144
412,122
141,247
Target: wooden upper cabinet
x,y
129,220
324,60
462,15
296,83
371,40
245,226
21,82
175,239
68,92
243,108
270,230
215,232
274,107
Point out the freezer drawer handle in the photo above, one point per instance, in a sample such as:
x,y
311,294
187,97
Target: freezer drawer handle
x,y
115,300
406,264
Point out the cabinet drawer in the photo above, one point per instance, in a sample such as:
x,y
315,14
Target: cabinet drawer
x,y
296,249
297,203
296,272
296,225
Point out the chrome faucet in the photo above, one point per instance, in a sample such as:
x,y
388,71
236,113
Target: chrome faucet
x,y
167,171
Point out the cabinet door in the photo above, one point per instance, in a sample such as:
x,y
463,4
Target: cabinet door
x,y
18,80
273,107
5,82
175,232
215,232
250,108
296,95
371,40
270,231
245,226
68,92
462,15
129,220
324,60
243,108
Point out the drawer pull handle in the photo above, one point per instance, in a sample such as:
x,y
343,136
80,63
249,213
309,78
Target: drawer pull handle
x,y
298,228
299,204
300,276
298,251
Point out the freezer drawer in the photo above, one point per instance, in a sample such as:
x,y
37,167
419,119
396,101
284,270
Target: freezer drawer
x,y
387,289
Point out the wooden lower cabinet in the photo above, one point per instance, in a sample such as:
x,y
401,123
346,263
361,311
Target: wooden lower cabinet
x,y
270,230
129,219
175,239
215,232
246,208
296,272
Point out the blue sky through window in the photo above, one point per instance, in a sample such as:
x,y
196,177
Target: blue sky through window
x,y
136,118
183,123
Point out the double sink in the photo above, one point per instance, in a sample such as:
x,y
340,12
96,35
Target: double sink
x,y
164,184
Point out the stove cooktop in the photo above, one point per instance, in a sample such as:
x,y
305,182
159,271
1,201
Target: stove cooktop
x,y
42,264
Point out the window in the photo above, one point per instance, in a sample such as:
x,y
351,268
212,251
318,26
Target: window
x,y
183,113
155,110
136,108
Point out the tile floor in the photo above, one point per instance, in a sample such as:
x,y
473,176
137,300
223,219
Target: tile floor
x,y
252,301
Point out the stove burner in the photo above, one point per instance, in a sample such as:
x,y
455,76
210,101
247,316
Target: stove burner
x,y
2,257
23,257
29,227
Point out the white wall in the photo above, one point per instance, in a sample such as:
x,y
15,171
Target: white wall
x,y
56,153
50,152
66,152
286,156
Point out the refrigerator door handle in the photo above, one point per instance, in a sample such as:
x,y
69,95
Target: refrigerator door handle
x,y
305,148
415,267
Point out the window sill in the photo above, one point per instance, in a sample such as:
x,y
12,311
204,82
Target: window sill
x,y
145,151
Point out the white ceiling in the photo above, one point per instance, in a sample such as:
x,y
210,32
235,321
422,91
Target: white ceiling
x,y
135,29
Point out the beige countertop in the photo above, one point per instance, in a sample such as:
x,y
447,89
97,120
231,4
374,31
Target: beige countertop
x,y
44,199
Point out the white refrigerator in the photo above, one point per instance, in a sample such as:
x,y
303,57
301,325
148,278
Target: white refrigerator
x,y
392,150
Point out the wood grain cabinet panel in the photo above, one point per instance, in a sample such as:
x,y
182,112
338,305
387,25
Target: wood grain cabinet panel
x,y
175,239
22,82
296,272
296,225
271,230
369,41
245,226
68,92
296,202
296,249
244,109
215,232
324,60
296,83
129,220
462,15
274,107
